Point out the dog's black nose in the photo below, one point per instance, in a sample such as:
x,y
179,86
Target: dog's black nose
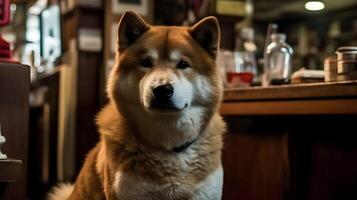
x,y
163,92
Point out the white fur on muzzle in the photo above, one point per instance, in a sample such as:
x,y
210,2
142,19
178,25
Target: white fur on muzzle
x,y
61,192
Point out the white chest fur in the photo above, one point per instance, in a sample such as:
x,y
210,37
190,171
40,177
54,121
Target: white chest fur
x,y
128,187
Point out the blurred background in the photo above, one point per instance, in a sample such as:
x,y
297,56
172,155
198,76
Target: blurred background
x,y
70,46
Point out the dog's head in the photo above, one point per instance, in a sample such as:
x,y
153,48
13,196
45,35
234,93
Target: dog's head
x,y
166,75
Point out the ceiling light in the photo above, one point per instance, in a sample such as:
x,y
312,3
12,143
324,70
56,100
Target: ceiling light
x,y
314,5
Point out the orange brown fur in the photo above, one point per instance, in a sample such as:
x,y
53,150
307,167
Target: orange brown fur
x,y
127,150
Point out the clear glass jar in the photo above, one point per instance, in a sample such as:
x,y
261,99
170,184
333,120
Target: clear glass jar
x,y
277,66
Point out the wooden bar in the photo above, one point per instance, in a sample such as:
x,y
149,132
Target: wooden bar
x,y
291,142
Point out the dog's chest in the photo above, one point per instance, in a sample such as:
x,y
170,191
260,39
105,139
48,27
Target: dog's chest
x,y
128,187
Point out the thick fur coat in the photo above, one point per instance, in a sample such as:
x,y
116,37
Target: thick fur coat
x,y
153,149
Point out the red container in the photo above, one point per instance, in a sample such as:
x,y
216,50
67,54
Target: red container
x,y
236,79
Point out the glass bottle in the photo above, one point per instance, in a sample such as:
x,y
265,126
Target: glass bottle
x,y
277,67
272,29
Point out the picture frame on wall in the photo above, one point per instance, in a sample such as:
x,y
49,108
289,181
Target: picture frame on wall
x,y
139,6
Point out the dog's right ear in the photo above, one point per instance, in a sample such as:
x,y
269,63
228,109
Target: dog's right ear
x,y
207,33
131,27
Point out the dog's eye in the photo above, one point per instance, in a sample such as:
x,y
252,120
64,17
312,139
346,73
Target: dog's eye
x,y
147,62
182,65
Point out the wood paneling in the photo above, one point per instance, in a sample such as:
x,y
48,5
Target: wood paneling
x,y
255,165
87,104
89,73
333,172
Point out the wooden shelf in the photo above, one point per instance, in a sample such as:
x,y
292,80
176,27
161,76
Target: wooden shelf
x,y
10,170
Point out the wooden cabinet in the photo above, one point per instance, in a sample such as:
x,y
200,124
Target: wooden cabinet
x,y
14,111
291,142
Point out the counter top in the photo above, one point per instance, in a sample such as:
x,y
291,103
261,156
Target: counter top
x,y
300,99
298,91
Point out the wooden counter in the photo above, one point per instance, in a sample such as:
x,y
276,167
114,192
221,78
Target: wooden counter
x,y
291,142
317,98
298,91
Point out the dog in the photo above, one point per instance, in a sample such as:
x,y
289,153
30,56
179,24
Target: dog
x,y
161,133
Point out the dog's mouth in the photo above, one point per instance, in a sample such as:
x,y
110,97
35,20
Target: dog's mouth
x,y
165,108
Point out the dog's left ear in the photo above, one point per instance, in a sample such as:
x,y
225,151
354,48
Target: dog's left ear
x,y
206,32
131,27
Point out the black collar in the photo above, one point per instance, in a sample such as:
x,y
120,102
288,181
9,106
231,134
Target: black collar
x,y
183,147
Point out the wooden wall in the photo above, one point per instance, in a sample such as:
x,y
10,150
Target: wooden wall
x,y
90,65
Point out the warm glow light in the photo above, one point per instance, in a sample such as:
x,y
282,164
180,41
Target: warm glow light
x,y
314,5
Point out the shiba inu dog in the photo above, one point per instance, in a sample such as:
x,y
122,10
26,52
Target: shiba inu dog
x,y
161,134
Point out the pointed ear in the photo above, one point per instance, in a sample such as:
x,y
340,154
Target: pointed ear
x,y
206,32
131,27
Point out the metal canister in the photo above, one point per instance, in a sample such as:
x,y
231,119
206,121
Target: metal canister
x,y
347,63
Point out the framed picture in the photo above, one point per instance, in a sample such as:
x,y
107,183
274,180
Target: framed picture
x,y
139,6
